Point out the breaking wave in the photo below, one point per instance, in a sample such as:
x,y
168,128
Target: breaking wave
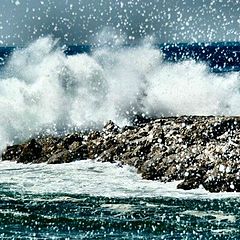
x,y
42,88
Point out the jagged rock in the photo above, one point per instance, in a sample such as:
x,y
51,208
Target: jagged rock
x,y
111,127
78,151
199,150
224,183
31,152
12,153
190,183
71,138
93,135
132,161
107,156
60,157
126,128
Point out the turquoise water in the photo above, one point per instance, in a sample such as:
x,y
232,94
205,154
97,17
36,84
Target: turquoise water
x,y
64,202
82,216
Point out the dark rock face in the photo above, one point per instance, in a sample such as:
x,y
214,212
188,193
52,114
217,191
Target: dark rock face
x,y
12,153
197,150
31,152
60,157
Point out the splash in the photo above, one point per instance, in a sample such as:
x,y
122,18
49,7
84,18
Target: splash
x,y
42,88
95,179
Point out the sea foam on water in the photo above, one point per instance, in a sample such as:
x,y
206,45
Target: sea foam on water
x,y
42,88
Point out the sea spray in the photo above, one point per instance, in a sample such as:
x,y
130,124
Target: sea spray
x,y
86,174
43,89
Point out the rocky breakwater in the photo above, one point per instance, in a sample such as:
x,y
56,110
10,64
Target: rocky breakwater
x,y
197,150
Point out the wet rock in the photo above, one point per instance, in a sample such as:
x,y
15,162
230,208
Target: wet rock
x,y
190,183
132,161
198,150
60,157
12,153
152,169
71,138
222,184
93,135
31,152
126,128
108,156
78,150
111,127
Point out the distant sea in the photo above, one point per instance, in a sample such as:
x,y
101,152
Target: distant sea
x,y
219,56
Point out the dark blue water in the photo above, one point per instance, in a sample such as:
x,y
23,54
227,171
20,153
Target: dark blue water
x,y
220,57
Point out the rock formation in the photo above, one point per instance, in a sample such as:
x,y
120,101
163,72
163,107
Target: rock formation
x,y
197,150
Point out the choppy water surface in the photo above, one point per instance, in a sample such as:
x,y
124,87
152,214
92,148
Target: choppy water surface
x,y
90,200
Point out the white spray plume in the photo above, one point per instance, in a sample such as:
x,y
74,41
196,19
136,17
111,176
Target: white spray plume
x,y
42,87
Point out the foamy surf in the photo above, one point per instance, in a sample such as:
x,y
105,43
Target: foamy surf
x,y
91,178
42,89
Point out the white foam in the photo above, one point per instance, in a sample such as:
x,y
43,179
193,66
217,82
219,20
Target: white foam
x,y
218,216
93,178
41,88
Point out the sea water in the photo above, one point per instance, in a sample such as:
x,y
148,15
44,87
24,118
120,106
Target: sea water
x,y
50,89
92,200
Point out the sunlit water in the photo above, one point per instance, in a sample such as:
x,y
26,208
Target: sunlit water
x,y
92,200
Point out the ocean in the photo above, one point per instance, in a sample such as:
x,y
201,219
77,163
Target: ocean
x,y
82,200
49,89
